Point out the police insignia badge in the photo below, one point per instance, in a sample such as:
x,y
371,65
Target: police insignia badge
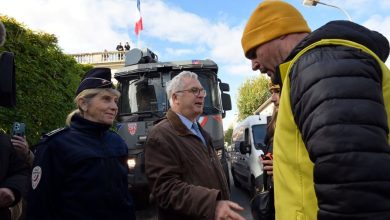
x,y
36,176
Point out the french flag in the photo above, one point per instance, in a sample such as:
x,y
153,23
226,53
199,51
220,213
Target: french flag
x,y
138,24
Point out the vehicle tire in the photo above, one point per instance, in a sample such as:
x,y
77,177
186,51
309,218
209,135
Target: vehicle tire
x,y
235,181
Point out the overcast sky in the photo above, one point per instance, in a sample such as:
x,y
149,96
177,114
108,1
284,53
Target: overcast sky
x,y
176,29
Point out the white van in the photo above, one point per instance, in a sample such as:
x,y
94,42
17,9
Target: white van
x,y
248,141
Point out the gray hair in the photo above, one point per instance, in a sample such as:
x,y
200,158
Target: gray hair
x,y
2,33
88,94
177,84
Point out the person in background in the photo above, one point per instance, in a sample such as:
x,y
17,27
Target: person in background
x,y
269,138
185,175
13,177
119,48
80,171
267,159
127,46
18,212
13,169
331,143
105,55
21,145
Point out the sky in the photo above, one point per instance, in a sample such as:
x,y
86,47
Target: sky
x,y
177,29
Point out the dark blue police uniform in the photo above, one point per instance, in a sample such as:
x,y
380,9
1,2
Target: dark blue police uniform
x,y
80,172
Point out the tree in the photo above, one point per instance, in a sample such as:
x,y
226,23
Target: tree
x,y
46,81
251,94
228,135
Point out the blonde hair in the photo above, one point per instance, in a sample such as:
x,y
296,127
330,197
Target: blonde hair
x,y
87,95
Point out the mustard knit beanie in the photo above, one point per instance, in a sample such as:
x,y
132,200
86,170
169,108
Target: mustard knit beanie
x,y
272,19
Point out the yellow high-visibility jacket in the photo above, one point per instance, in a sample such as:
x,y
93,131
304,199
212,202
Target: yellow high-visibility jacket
x,y
331,144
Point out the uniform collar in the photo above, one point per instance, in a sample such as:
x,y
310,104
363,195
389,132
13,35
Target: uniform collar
x,y
86,126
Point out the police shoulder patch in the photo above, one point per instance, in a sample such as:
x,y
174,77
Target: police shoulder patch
x,y
53,133
47,137
36,176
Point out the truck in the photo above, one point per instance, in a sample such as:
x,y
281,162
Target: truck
x,y
142,83
248,144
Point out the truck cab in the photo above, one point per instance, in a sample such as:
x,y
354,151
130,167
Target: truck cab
x,y
142,83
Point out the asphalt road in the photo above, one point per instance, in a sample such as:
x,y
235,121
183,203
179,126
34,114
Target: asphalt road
x,y
239,196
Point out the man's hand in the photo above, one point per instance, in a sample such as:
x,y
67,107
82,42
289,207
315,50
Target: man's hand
x,y
226,210
6,197
20,145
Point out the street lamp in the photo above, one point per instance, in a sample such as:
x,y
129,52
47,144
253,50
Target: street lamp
x,y
315,2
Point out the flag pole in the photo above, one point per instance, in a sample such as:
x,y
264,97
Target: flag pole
x,y
138,40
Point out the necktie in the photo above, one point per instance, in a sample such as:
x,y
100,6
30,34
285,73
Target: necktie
x,y
195,127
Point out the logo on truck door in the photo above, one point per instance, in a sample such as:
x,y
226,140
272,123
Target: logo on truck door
x,y
132,127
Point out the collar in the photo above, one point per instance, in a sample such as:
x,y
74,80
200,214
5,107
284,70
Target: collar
x,y
86,126
185,121
177,123
182,129
281,73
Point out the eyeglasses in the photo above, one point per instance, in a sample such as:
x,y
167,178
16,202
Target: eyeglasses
x,y
194,90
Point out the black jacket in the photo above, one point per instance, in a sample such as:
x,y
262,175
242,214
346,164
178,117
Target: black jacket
x,y
80,173
14,172
338,105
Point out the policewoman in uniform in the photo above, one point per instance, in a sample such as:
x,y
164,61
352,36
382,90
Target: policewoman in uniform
x,y
80,171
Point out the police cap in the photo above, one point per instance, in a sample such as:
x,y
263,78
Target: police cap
x,y
96,78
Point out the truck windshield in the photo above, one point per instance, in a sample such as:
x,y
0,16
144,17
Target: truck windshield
x,y
258,132
147,93
143,95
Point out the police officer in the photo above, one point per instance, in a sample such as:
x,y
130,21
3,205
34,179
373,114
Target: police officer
x,y
80,171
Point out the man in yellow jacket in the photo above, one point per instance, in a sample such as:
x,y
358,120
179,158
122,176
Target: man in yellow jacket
x,y
331,144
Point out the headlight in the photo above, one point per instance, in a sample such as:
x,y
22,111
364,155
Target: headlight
x,y
141,138
131,163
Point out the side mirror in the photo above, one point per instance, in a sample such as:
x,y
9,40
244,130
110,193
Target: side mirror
x,y
226,102
224,87
245,148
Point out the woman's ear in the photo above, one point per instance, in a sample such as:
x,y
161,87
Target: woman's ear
x,y
83,105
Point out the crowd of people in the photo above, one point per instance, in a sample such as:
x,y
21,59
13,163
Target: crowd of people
x,y
327,155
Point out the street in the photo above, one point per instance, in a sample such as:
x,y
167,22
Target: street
x,y
238,195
